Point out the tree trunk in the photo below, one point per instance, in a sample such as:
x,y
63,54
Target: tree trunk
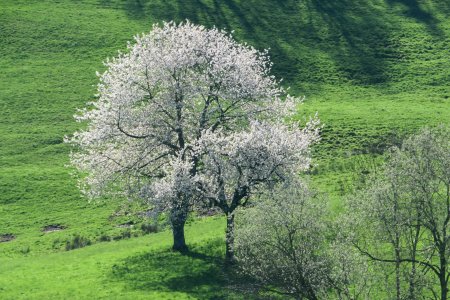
x,y
444,289
397,271
179,243
443,273
178,216
397,248
412,276
229,254
412,282
397,266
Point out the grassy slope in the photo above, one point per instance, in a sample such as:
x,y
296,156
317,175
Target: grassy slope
x,y
139,268
375,70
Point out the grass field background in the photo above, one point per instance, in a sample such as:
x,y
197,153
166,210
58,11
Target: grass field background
x,y
375,71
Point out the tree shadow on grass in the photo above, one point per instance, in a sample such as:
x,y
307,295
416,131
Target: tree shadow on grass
x,y
199,273
135,8
296,32
310,41
417,11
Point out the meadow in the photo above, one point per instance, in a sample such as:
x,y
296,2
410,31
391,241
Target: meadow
x,y
375,71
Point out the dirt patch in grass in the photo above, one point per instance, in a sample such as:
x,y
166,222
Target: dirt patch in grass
x,y
6,237
53,227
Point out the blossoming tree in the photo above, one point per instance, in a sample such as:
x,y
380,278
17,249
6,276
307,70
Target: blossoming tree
x,y
155,104
238,165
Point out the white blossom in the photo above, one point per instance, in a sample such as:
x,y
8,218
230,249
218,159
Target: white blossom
x,y
158,99
265,153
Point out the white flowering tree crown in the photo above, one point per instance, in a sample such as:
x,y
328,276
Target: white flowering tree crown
x,y
177,89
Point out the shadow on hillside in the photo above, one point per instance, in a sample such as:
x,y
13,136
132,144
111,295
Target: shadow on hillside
x,y
302,35
359,33
135,8
417,11
199,273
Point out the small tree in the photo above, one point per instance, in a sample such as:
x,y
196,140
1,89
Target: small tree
x,y
352,276
407,212
238,165
377,222
157,100
281,242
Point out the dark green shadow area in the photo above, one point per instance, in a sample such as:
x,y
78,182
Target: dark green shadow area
x,y
418,10
286,27
199,272
303,35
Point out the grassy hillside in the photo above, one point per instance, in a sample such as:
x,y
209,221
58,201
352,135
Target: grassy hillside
x,y
374,70
140,268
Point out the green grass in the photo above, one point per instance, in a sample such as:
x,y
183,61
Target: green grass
x,y
139,268
375,71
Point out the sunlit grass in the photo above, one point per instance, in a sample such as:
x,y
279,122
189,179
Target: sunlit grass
x,y
374,70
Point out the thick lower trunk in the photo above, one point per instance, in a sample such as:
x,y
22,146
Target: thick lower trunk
x,y
442,279
178,218
443,271
444,290
229,254
179,243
